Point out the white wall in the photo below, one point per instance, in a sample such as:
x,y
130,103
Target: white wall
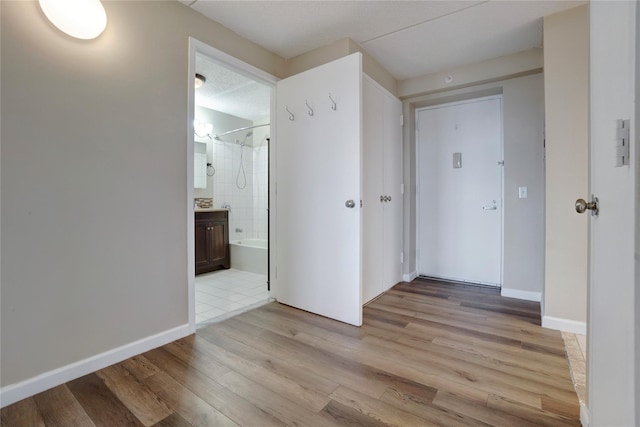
x,y
94,181
566,38
491,70
523,121
637,224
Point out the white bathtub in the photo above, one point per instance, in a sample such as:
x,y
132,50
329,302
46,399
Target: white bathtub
x,y
249,255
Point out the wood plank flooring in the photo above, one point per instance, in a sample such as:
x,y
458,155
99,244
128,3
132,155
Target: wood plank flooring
x,y
428,353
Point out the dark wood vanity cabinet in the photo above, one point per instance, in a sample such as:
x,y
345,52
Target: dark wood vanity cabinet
x,y
212,241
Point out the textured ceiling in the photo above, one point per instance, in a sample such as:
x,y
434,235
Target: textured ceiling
x,y
408,38
230,92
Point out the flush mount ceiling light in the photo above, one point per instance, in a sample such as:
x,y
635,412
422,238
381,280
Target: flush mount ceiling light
x,y
82,19
200,79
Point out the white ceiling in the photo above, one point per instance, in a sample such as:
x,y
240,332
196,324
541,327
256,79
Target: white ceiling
x,y
230,92
408,38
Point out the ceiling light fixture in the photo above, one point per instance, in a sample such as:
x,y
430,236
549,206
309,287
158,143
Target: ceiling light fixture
x,y
82,19
200,79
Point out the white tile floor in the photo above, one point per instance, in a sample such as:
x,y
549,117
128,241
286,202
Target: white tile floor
x,y
222,293
576,350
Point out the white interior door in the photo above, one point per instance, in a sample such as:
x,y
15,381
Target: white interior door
x,y
459,149
382,171
318,170
614,301
373,213
392,232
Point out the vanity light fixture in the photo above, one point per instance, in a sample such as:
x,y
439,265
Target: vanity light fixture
x,y
200,79
82,19
202,130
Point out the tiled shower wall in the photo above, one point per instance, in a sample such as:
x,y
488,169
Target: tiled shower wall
x,y
260,191
248,216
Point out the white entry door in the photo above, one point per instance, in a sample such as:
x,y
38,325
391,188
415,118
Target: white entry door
x,y
459,155
318,190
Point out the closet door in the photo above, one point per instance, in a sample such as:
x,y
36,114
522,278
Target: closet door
x,y
318,190
382,212
373,190
392,169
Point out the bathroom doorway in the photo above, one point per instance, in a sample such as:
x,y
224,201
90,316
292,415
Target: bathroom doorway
x,y
231,144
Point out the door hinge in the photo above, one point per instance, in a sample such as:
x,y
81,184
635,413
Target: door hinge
x,y
401,188
360,202
622,143
401,257
401,119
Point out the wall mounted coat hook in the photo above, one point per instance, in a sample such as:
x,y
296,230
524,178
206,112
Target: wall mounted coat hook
x,y
309,107
334,106
291,116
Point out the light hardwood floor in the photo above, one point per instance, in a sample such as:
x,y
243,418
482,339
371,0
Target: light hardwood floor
x,y
428,354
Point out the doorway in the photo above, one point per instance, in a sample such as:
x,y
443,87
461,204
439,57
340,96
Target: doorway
x,y
459,191
228,163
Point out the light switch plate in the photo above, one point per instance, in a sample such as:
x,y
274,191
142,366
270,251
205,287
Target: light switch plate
x,y
522,192
457,160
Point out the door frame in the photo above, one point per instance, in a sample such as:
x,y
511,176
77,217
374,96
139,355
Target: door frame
x,y
417,177
252,72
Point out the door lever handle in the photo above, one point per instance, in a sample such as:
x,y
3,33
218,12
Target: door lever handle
x,y
493,207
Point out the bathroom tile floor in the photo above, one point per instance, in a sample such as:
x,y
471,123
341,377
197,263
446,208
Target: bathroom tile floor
x,y
576,350
223,293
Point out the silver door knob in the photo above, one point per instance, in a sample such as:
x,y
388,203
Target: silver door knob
x,y
350,204
582,206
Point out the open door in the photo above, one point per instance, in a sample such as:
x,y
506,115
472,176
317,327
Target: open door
x,y
318,190
613,360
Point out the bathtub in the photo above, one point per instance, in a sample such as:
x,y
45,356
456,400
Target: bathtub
x,y
249,255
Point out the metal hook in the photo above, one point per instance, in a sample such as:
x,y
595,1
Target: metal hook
x,y
309,107
334,106
291,116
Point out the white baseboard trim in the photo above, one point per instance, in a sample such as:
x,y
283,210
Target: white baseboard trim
x,y
410,276
517,293
564,325
584,415
18,391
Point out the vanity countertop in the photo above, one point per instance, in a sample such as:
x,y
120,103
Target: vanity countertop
x,y
209,210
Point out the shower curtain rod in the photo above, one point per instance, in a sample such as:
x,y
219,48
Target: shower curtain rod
x,y
218,135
